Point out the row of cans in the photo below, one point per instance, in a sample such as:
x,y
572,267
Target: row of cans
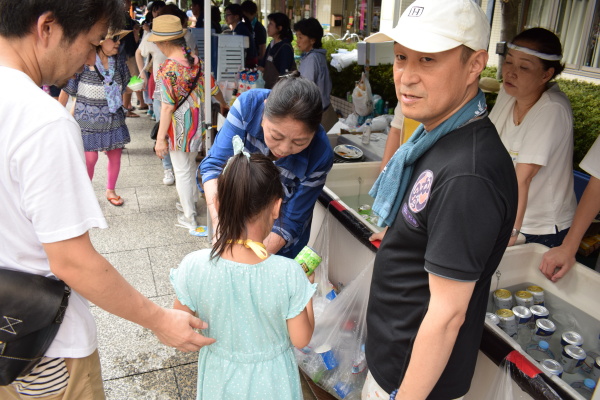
x,y
571,358
534,317
532,295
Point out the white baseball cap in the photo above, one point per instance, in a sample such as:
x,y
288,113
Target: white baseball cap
x,y
433,26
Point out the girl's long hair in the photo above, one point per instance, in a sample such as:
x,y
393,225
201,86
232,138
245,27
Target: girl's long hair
x,y
245,189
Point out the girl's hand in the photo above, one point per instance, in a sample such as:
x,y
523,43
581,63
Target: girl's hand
x,y
161,148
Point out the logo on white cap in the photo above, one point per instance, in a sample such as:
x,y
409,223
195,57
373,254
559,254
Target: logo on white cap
x,y
415,11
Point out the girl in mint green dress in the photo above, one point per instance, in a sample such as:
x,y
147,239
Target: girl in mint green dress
x,y
257,305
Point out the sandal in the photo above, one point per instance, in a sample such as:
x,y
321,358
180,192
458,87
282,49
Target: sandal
x,y
132,114
144,107
116,201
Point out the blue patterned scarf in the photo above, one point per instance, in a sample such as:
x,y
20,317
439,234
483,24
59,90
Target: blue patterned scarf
x,y
390,187
111,88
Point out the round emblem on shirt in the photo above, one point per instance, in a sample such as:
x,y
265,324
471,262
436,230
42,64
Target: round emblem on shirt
x,y
420,191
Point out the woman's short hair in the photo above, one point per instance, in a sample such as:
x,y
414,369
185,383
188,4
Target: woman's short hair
x,y
312,28
544,41
282,20
296,98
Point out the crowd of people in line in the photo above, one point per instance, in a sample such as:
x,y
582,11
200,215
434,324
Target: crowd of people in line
x,y
261,179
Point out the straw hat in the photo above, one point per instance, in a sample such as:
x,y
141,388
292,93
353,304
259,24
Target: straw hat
x,y
121,34
165,28
489,85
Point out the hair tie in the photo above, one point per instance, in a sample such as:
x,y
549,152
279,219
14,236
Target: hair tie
x,y
238,148
535,53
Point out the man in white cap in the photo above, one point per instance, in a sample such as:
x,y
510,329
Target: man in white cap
x,y
449,198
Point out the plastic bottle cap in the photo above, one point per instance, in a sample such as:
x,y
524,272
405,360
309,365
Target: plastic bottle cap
x,y
544,345
589,383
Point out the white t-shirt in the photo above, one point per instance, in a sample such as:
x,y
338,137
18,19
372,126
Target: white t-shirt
x,y
398,120
46,195
591,161
545,137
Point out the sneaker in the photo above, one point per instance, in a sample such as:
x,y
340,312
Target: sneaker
x,y
169,177
185,222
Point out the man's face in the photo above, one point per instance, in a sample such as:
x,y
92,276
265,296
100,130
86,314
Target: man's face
x,y
430,86
62,60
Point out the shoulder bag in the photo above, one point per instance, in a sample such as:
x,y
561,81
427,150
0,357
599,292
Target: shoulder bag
x,y
154,131
32,307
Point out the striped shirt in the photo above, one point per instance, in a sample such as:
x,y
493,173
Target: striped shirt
x,y
302,175
50,376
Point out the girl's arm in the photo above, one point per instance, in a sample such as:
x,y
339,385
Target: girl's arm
x,y
301,327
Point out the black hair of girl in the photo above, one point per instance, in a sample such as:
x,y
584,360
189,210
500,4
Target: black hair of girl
x,y
282,20
312,28
185,49
296,98
544,41
245,189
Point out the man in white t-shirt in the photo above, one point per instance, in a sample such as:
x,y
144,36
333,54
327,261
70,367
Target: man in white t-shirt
x,y
559,260
48,203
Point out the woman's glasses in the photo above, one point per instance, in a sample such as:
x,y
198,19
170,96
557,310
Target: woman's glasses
x,y
114,38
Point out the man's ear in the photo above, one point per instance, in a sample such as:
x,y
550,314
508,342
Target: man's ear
x,y
477,63
46,27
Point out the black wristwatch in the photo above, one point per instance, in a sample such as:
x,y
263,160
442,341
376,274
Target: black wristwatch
x,y
515,232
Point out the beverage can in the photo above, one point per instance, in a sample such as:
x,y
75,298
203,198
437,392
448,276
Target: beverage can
x,y
508,322
493,318
326,353
588,364
524,298
539,312
571,337
503,299
552,367
538,294
522,314
308,259
544,328
596,369
571,358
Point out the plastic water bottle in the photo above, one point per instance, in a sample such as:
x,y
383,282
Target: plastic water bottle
x,y
366,136
540,351
386,108
585,387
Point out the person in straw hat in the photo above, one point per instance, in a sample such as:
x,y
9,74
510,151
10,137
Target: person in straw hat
x,y
432,273
98,109
181,132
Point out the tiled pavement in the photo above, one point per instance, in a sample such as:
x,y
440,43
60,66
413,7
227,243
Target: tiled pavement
x,y
143,243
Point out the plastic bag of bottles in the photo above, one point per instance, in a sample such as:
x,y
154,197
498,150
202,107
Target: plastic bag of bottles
x,y
335,357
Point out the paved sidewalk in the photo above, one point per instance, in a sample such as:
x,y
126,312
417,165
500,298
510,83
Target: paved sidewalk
x,y
143,243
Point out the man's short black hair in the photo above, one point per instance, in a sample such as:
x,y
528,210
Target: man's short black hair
x,y
249,7
75,17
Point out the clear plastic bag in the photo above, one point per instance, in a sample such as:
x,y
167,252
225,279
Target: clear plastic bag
x,y
362,97
335,357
